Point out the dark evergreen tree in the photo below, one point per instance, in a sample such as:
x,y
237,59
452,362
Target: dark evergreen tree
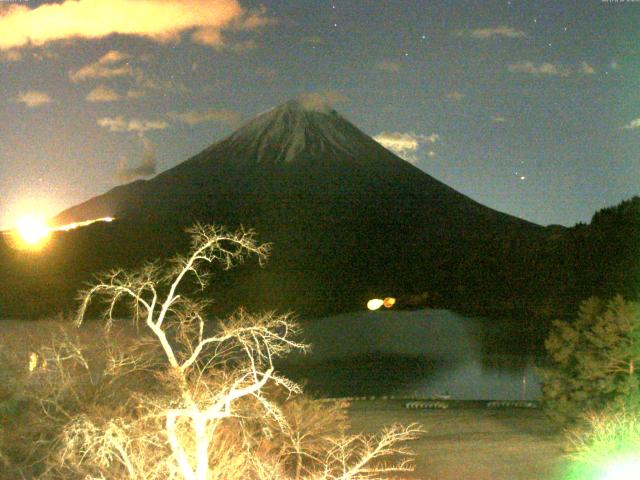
x,y
594,360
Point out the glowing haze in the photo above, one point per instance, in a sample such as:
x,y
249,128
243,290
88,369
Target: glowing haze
x,y
32,232
161,20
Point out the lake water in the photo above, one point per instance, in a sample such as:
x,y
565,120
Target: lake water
x,y
423,353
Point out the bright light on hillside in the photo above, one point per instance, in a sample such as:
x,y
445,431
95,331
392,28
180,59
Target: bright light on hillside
x,y
86,223
32,231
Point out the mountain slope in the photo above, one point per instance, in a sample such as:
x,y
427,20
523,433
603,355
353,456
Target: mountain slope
x,y
286,151
348,219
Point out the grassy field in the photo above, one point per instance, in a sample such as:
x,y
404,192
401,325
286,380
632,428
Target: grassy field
x,y
473,443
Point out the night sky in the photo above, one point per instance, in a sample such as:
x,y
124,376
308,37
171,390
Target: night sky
x,y
531,108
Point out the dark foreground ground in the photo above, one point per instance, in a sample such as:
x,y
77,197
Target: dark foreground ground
x,y
471,443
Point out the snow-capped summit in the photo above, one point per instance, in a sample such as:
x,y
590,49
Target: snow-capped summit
x,y
296,130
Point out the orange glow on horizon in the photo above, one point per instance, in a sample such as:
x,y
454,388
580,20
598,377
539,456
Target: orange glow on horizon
x,y
32,232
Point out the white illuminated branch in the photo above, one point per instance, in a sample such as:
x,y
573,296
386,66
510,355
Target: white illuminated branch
x,y
260,339
207,392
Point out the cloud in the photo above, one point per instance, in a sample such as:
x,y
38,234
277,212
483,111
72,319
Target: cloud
x,y
116,64
146,168
113,56
120,124
253,20
145,84
34,98
587,69
103,94
241,21
388,66
208,36
321,101
108,66
45,54
454,96
228,117
485,33
632,125
406,144
540,69
12,55
157,20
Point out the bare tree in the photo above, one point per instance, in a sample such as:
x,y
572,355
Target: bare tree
x,y
211,378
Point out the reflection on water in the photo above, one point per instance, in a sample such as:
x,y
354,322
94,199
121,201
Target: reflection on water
x,y
423,353
470,380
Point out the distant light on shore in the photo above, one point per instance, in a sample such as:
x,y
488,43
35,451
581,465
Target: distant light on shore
x,y
376,303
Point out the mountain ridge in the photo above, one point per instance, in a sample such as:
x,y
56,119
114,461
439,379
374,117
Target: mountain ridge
x,y
348,219
331,152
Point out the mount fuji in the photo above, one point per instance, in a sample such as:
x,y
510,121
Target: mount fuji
x,y
349,220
